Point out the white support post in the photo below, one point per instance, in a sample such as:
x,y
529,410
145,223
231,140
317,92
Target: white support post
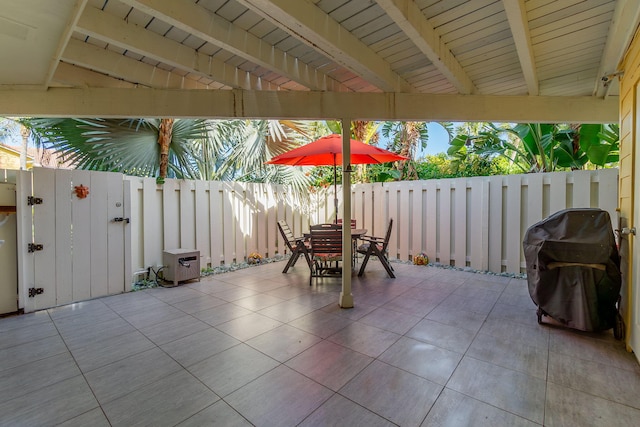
x,y
346,298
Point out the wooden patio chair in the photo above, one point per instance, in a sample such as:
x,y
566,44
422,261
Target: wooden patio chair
x,y
326,250
296,245
376,246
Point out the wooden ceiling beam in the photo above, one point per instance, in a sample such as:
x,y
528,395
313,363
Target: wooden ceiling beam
x,y
141,102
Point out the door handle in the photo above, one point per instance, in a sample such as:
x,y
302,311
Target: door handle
x,y
120,219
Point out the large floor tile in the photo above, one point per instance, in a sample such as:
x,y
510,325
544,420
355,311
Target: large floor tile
x,y
453,409
110,350
503,388
160,313
11,357
199,346
598,379
321,323
390,320
231,369
330,364
249,326
508,354
120,378
441,335
567,407
199,303
283,342
392,393
365,339
339,411
93,418
221,314
517,333
457,317
171,330
26,379
596,347
92,334
163,403
17,336
220,414
24,320
425,360
49,405
281,397
286,311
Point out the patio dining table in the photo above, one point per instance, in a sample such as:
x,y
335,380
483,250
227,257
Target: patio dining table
x,y
356,233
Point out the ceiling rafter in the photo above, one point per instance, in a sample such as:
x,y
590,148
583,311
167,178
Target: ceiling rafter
x,y
131,70
206,25
66,36
112,30
308,23
626,18
519,24
408,16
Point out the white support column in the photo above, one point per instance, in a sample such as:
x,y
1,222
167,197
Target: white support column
x,y
346,298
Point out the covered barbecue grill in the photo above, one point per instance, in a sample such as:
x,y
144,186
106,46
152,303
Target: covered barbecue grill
x,y
573,269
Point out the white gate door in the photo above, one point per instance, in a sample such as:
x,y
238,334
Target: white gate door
x,y
81,244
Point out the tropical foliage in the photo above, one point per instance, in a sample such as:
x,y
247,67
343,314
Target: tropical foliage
x,y
537,147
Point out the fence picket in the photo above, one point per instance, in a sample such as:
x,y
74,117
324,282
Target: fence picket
x,y
63,245
460,216
98,240
495,219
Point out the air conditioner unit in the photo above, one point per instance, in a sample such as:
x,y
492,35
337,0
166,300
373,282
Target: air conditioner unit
x,y
180,265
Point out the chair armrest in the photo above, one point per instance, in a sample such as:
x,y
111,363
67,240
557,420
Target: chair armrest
x,y
372,239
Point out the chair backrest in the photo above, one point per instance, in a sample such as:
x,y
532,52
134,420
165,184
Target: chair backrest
x,y
387,236
287,235
353,222
326,239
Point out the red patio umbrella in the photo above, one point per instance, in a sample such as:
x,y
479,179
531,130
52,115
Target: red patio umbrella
x,y
327,151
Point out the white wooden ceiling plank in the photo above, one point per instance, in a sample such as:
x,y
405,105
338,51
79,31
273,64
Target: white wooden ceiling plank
x,y
420,31
486,52
247,20
365,17
373,27
444,11
463,13
214,29
477,30
560,69
99,24
312,26
230,11
459,47
568,40
560,9
599,23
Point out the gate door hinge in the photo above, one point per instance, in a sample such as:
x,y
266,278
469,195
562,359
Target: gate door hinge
x,y
35,291
33,247
34,200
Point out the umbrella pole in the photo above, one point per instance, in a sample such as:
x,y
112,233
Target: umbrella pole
x,y
335,188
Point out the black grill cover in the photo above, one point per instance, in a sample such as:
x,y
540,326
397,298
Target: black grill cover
x,y
573,268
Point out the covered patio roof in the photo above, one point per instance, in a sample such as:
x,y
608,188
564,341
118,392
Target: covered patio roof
x,y
502,60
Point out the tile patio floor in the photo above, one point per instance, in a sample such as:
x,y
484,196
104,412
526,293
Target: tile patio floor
x,y
434,347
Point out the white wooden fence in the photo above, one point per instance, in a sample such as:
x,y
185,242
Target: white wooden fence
x,y
92,246
477,222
